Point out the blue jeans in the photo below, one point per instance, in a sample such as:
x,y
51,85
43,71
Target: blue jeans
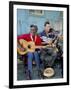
x,y
30,58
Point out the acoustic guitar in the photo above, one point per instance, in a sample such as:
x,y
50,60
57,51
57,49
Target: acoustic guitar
x,y
24,47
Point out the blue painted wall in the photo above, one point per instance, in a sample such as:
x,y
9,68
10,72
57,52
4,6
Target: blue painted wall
x,y
24,20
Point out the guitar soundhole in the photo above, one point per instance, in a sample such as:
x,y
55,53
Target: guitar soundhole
x,y
29,46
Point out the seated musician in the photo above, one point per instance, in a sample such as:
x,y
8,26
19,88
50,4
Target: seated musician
x,y
48,37
32,36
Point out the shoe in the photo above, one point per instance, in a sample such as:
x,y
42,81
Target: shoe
x,y
28,76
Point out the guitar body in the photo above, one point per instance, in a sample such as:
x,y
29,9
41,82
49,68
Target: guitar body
x,y
26,47
21,52
31,46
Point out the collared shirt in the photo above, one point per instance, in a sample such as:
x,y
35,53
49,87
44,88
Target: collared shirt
x,y
27,37
45,37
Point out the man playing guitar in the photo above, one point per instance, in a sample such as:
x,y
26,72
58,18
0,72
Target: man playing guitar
x,y
32,36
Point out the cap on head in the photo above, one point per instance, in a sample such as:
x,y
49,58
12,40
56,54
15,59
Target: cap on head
x,y
35,26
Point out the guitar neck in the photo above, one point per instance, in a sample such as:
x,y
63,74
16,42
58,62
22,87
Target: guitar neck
x,y
39,47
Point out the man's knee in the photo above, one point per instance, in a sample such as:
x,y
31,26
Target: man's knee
x,y
36,53
30,54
